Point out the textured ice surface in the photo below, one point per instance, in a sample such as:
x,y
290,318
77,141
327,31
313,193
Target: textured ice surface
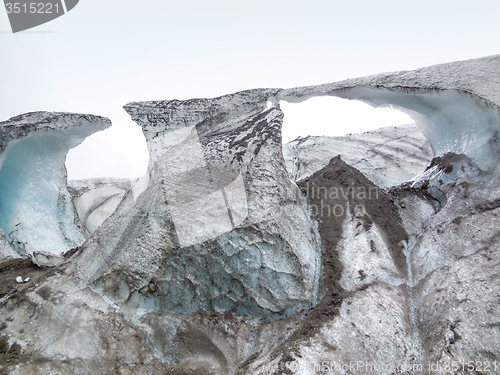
x,y
36,210
6,250
220,225
387,156
167,123
368,251
96,199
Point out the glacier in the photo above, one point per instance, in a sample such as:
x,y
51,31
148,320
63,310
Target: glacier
x,y
236,254
454,105
97,198
36,210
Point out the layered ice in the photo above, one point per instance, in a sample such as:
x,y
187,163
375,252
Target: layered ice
x,y
36,210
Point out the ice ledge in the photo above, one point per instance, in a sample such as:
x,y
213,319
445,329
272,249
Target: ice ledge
x,y
455,105
167,123
75,126
479,76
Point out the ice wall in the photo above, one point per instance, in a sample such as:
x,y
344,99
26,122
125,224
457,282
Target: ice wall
x,y
36,210
219,226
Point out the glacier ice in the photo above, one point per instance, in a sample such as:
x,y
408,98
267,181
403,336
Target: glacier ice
x,y
455,105
376,153
36,210
451,120
412,279
6,250
96,199
220,225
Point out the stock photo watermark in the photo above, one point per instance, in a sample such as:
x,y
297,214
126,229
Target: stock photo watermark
x,y
370,367
24,15
331,201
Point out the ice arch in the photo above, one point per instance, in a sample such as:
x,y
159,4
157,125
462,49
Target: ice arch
x,y
36,210
452,121
332,116
456,105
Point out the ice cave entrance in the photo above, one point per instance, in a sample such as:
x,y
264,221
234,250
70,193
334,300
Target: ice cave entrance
x,y
332,116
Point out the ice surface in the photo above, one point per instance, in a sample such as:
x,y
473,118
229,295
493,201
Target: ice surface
x,y
133,300
6,250
451,120
36,210
96,199
387,156
35,213
167,123
217,224
367,251
456,105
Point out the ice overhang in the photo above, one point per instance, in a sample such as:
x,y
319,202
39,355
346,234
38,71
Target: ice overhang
x,y
36,210
456,105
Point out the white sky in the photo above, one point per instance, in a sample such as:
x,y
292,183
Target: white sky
x,y
104,54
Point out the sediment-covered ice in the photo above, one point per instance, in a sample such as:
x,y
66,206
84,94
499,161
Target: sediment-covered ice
x,y
36,210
